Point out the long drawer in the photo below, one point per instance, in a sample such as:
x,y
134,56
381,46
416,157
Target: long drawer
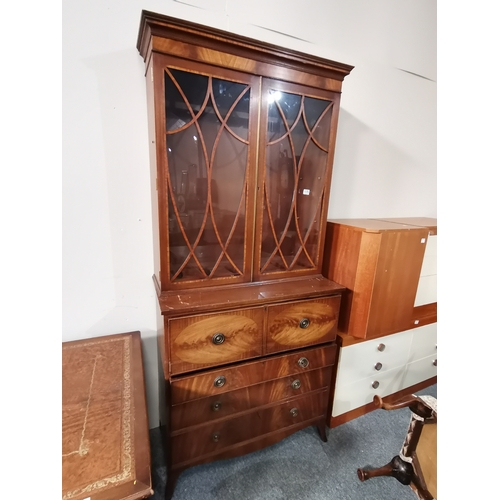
x,y
360,392
225,379
214,437
373,357
219,406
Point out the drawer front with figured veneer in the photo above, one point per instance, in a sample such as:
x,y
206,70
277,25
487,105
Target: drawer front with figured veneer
x,y
216,436
303,323
222,380
219,406
213,339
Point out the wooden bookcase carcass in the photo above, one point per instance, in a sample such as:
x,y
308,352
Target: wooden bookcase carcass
x,y
242,138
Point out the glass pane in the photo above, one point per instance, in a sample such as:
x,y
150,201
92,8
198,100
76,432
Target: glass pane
x,y
292,211
313,109
207,165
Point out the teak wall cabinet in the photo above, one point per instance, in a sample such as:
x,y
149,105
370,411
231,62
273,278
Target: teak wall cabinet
x,y
242,138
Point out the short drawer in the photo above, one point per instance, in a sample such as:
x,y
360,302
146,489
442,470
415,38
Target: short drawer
x,y
350,396
214,437
222,380
219,406
302,323
420,370
361,360
424,342
213,339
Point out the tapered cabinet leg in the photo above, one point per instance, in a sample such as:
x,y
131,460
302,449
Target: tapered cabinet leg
x,y
397,468
172,477
322,433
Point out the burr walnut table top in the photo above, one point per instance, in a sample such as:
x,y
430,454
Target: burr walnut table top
x,y
105,435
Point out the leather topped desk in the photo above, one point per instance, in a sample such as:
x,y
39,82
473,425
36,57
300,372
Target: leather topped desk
x,y
105,432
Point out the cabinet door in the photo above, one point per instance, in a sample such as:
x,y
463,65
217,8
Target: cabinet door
x,y
297,137
206,125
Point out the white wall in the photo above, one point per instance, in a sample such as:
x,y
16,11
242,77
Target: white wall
x,y
385,163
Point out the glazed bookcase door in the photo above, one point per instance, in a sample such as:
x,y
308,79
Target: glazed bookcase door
x,y
296,144
208,125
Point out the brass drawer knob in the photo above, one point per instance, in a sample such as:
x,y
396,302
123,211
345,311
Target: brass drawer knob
x,y
303,362
218,338
215,437
435,362
216,406
296,384
294,412
378,366
220,381
375,384
381,347
304,323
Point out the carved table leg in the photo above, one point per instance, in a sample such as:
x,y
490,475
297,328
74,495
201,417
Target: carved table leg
x,y
397,468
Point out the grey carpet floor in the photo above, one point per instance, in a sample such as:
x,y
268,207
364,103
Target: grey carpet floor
x,y
301,467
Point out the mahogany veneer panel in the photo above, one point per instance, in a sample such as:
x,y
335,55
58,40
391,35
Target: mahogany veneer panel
x,y
218,435
283,323
245,295
192,345
105,433
248,398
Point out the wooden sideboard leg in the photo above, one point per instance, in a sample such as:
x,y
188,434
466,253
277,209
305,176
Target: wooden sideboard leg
x,y
397,468
172,477
322,432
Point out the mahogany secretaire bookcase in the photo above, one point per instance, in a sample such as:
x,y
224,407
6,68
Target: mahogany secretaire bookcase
x,y
242,138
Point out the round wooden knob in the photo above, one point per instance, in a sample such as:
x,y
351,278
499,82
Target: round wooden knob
x,y
294,412
296,384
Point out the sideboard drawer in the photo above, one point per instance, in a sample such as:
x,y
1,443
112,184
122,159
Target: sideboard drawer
x,y
225,379
214,339
219,406
213,437
361,360
420,370
424,342
350,396
303,323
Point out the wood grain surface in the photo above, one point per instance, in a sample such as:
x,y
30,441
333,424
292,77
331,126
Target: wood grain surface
x,y
105,435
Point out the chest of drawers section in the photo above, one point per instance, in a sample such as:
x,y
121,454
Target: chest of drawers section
x,y
220,411
237,380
